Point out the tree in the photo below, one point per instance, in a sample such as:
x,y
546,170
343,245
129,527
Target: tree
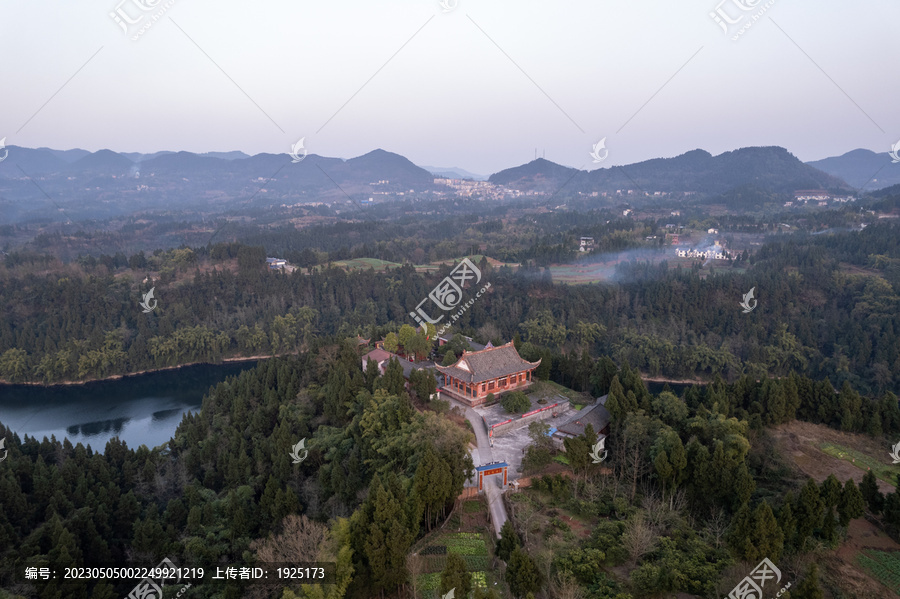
x,y
830,491
809,587
432,485
405,336
392,381
456,576
767,537
423,383
515,402
851,505
787,521
391,342
449,358
299,540
540,452
522,574
639,538
508,541
869,490
810,511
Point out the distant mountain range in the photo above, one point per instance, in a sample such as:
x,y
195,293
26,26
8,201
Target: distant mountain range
x,y
454,173
106,183
769,169
862,168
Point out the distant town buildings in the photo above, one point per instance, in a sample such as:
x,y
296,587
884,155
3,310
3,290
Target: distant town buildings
x,y
586,244
276,263
716,252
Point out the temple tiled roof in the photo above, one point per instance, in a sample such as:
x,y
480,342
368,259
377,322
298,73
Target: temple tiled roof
x,y
596,415
488,364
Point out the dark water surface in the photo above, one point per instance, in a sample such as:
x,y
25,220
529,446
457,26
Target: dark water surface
x,y
143,409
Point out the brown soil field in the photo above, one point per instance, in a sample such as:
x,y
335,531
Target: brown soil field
x,y
799,441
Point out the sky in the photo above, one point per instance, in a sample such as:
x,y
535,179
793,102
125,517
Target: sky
x,y
479,85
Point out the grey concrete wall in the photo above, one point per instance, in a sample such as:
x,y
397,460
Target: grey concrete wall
x,y
520,422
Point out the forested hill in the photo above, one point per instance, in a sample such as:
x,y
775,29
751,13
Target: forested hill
x,y
770,169
828,307
227,482
380,474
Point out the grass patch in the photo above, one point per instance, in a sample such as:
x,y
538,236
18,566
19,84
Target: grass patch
x,y
562,459
472,507
884,566
862,461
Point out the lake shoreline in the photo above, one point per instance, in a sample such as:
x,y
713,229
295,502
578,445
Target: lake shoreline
x,y
659,379
116,377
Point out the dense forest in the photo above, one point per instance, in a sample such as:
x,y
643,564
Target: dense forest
x,y
828,308
693,487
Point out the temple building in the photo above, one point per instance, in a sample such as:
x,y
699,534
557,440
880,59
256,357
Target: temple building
x,y
491,370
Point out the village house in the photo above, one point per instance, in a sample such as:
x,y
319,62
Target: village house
x,y
448,337
381,358
586,245
595,414
276,263
491,370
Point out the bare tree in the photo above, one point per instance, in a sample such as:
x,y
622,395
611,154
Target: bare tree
x,y
639,538
299,541
716,527
565,586
415,563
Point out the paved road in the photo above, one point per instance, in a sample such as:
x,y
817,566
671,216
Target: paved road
x,y
492,484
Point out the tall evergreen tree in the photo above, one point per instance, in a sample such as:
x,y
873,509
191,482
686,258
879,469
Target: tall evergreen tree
x,y
522,574
869,489
851,504
456,576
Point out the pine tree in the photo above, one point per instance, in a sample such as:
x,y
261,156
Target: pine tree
x,y
456,576
768,537
787,521
616,402
829,529
508,541
851,504
522,574
809,587
830,491
869,489
741,532
810,510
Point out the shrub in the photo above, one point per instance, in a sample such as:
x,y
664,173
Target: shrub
x,y
515,402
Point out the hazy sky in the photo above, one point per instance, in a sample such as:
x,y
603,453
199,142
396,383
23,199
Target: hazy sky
x,y
478,87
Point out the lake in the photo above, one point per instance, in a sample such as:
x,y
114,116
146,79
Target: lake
x,y
142,409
